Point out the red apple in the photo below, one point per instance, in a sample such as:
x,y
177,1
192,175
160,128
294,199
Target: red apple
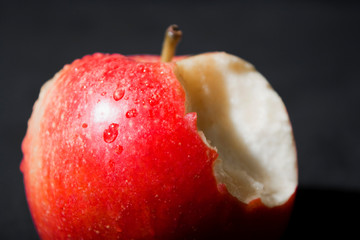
x,y
134,148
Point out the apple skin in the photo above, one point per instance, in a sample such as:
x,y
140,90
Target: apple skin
x,y
110,153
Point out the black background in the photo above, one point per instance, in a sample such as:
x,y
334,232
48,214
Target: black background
x,y
308,50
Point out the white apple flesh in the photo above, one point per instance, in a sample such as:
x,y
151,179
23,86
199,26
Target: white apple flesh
x,y
247,122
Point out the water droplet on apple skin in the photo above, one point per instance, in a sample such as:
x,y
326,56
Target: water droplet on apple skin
x,y
111,133
131,113
154,99
119,149
111,164
118,94
151,113
149,84
84,125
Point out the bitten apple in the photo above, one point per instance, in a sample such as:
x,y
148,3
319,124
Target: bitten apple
x,y
137,148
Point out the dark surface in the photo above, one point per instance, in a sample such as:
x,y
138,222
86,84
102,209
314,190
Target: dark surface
x,y
324,214
308,50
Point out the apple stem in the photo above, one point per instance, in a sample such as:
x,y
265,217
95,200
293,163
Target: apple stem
x,y
172,37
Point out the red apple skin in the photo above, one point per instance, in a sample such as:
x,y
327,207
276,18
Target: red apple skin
x,y
111,154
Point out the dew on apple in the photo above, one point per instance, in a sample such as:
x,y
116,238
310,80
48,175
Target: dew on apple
x,y
111,164
148,84
103,93
84,125
151,113
118,94
119,149
131,113
111,133
153,100
142,68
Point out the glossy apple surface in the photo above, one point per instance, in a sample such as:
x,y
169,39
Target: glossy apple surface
x,y
113,151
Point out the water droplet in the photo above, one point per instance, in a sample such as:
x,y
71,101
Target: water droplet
x,y
111,164
131,113
142,68
151,113
152,102
119,94
119,149
136,101
111,133
149,85
84,125
155,99
103,93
